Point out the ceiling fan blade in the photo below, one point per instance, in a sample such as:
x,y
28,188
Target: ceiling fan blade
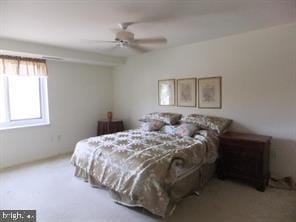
x,y
99,41
152,40
138,48
124,25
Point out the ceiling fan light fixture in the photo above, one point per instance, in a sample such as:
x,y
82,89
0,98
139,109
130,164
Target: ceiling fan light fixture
x,y
124,36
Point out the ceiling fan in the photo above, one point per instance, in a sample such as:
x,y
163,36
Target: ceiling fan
x,y
125,38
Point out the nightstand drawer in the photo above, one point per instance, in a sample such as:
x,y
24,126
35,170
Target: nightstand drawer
x,y
241,166
240,150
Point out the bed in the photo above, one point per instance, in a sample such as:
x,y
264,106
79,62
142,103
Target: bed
x,y
153,170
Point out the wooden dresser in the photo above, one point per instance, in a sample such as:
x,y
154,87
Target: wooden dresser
x,y
245,157
107,127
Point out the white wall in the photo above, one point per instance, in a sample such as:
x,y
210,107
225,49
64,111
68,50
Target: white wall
x,y
78,96
29,49
259,85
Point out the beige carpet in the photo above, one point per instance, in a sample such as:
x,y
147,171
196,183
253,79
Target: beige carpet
x,y
50,188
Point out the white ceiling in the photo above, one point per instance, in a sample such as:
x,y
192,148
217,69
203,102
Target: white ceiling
x,y
70,23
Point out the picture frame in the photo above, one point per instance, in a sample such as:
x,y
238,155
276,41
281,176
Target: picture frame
x,y
186,92
210,93
166,92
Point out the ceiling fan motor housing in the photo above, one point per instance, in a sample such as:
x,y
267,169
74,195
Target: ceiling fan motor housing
x,y
124,37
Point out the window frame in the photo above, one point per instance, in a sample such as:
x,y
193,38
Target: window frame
x,y
44,112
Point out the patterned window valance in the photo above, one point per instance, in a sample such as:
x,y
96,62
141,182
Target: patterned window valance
x,y
10,65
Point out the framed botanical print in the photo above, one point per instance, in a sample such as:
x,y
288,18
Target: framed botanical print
x,y
186,92
210,93
166,92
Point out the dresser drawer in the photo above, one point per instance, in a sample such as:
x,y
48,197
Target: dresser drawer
x,y
241,166
240,150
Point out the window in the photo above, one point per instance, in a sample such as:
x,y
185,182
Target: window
x,y
23,92
23,101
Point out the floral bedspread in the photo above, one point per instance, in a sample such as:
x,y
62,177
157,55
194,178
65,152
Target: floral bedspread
x,y
139,167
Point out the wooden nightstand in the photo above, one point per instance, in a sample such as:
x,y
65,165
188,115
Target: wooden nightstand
x,y
107,127
245,157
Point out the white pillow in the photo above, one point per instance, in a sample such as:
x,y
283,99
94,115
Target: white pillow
x,y
169,129
152,126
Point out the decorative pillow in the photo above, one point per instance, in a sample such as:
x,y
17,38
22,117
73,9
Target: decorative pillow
x,y
208,133
186,129
208,122
167,118
152,126
169,129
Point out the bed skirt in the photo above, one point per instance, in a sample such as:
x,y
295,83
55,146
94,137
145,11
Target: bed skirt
x,y
192,183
